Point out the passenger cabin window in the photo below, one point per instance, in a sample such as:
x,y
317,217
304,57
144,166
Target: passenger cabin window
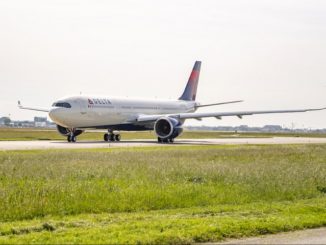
x,y
62,104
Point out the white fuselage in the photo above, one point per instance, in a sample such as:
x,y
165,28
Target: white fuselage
x,y
98,111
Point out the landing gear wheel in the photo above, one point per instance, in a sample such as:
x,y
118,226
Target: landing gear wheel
x,y
159,140
117,137
106,137
171,140
111,137
73,138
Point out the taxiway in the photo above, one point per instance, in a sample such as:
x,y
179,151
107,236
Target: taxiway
x,y
46,144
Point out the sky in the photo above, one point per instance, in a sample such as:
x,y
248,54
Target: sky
x,y
269,53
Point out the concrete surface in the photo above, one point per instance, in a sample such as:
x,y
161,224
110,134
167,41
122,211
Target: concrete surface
x,y
45,144
312,236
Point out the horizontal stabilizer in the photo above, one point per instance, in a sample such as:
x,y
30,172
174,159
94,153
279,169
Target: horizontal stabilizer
x,y
221,103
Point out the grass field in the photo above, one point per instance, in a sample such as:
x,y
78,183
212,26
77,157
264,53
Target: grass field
x,y
43,134
160,195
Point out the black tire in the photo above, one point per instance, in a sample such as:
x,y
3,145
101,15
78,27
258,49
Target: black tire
x,y
159,140
171,140
68,138
117,137
73,138
166,140
111,138
106,137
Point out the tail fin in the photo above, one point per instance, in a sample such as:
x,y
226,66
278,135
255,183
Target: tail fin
x,y
191,88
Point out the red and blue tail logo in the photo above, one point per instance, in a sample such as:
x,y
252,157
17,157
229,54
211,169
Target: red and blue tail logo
x,y
191,88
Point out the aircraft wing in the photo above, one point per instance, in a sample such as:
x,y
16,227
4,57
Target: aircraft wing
x,y
31,108
218,115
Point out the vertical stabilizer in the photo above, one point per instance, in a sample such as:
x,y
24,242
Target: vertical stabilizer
x,y
191,89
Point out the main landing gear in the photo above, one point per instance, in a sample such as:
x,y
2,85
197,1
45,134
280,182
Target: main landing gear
x,y
167,140
112,137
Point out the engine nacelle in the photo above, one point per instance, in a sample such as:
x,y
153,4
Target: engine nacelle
x,y
167,127
65,131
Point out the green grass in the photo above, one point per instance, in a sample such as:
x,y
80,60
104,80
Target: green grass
x,y
175,226
48,134
160,195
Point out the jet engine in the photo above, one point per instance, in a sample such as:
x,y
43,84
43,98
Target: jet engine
x,y
65,131
167,128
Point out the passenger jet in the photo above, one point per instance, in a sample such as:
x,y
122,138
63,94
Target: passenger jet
x,y
74,114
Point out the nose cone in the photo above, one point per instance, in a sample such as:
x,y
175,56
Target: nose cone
x,y
60,116
53,114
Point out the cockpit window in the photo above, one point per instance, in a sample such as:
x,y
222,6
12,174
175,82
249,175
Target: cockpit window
x,y
62,104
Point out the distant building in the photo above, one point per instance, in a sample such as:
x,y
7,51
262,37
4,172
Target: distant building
x,y
40,122
22,124
272,128
243,128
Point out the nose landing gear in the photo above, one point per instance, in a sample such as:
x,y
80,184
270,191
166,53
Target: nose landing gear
x,y
72,136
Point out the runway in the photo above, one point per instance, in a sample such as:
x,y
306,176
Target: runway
x,y
45,144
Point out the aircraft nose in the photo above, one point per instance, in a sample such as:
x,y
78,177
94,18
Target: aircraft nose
x,y
54,114
59,116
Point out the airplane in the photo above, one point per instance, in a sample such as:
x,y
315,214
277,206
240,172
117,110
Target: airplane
x,y
74,114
